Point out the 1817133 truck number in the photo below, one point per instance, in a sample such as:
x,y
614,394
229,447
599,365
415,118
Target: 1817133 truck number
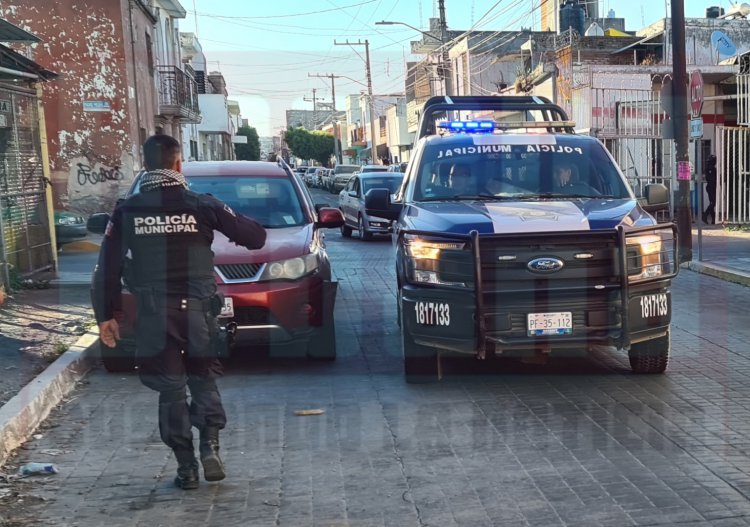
x,y
654,305
433,313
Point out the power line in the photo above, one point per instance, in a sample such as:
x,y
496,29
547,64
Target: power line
x,y
291,15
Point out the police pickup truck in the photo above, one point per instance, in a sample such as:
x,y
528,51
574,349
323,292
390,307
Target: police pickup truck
x,y
516,236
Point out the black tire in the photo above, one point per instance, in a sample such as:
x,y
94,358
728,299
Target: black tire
x,y
119,359
322,343
420,362
651,356
346,231
364,234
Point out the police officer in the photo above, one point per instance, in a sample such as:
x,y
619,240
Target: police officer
x,y
168,231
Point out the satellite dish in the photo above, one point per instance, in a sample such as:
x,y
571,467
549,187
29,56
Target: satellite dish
x,y
722,45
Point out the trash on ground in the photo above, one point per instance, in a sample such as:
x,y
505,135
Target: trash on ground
x,y
38,436
316,411
33,469
51,452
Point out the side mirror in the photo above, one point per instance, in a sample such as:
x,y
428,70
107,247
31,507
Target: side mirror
x,y
657,197
319,206
330,218
378,203
352,193
97,223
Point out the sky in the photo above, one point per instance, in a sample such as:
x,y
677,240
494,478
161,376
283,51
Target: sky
x,y
267,50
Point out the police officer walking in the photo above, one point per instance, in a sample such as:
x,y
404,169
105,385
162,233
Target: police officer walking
x,y
168,231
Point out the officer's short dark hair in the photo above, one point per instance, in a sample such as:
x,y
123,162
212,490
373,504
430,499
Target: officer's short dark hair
x,y
161,152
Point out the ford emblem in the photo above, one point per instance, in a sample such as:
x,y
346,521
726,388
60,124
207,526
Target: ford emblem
x,y
545,265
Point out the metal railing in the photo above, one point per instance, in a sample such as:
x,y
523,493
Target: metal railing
x,y
178,93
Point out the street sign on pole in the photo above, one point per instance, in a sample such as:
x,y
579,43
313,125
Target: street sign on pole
x,y
696,93
696,128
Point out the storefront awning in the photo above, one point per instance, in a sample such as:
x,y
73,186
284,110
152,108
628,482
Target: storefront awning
x,y
11,33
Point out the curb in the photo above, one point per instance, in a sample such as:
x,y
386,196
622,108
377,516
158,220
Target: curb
x,y
20,416
728,274
81,246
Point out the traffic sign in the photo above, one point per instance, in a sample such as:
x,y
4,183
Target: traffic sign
x,y
696,128
696,93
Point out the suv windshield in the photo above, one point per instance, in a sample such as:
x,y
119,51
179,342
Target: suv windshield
x,y
269,200
513,167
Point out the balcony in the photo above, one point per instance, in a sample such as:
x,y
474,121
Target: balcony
x,y
178,94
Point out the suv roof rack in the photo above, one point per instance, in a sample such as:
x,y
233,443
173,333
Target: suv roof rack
x,y
522,103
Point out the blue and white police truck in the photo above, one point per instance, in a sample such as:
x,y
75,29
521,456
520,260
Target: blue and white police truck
x,y
516,236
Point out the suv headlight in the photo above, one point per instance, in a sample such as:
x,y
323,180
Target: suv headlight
x,y
644,257
438,263
291,269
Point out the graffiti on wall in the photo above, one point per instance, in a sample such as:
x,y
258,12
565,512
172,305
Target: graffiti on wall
x,y
93,175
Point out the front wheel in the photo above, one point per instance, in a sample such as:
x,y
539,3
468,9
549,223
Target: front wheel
x,y
322,343
118,359
364,234
651,356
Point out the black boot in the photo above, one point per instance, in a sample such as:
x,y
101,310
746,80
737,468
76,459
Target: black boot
x,y
187,471
213,467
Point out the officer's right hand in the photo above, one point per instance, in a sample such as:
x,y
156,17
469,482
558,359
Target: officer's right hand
x,y
109,332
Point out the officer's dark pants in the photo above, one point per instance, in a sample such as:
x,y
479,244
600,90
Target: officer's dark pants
x,y
173,350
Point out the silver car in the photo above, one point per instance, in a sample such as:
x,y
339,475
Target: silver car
x,y
341,176
352,203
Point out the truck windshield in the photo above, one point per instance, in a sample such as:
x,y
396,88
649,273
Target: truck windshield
x,y
513,167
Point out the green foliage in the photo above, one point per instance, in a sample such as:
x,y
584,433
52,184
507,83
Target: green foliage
x,y
250,151
310,145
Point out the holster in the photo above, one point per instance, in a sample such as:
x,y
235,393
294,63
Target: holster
x,y
222,336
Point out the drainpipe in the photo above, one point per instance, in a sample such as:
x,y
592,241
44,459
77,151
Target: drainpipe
x,y
135,78
46,172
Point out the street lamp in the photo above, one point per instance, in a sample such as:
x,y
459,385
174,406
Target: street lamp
x,y
442,39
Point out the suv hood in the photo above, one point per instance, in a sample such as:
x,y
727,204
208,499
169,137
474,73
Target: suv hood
x,y
501,217
281,244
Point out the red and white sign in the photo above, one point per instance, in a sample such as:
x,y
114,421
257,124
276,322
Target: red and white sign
x,y
696,93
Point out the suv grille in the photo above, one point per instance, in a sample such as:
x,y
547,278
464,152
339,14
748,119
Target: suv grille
x,y
239,271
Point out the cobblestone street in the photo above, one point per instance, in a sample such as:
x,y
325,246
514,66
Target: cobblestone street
x,y
579,441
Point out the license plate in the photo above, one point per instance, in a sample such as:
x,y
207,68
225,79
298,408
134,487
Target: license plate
x,y
228,309
433,313
549,324
654,305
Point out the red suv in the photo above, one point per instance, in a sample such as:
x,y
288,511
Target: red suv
x,y
282,295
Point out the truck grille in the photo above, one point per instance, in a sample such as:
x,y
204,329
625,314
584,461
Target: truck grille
x,y
589,259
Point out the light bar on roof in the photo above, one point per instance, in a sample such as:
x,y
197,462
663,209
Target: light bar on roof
x,y
468,126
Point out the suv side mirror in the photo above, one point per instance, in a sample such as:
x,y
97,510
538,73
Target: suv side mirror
x,y
378,203
319,206
97,223
657,197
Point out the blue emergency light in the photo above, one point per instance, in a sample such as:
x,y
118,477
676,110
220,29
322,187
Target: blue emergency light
x,y
468,126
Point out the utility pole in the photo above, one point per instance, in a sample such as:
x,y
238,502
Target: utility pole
x,y
679,98
333,78
444,58
366,44
314,100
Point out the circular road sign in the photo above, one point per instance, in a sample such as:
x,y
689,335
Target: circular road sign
x,y
696,93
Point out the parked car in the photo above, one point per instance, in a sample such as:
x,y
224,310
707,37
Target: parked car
x,y
309,174
325,178
352,203
397,167
69,227
341,175
278,296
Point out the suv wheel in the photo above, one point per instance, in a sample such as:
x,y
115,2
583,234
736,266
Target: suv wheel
x,y
118,359
364,234
420,362
322,343
346,231
650,356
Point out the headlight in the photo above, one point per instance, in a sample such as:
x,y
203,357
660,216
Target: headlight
x,y
438,263
68,220
644,257
291,269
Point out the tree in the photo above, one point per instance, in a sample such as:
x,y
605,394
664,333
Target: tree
x,y
310,145
251,150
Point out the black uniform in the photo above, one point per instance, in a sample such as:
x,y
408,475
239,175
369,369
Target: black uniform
x,y
168,233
